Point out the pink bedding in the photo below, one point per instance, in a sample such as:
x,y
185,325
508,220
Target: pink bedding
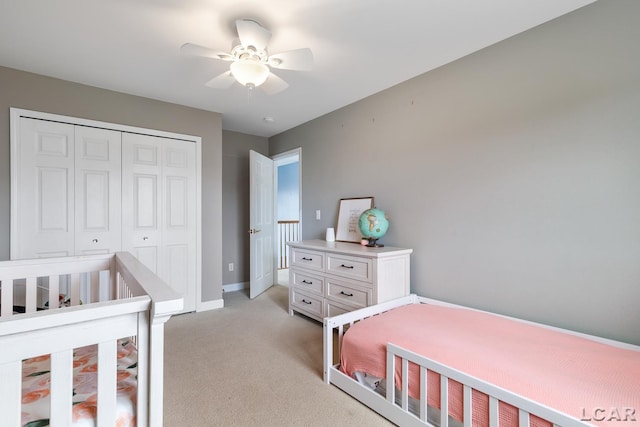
x,y
571,374
36,379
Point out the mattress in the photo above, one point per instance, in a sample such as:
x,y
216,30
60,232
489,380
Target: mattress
x,y
36,390
572,374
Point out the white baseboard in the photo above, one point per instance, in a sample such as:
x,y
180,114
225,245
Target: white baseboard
x,y
235,287
210,305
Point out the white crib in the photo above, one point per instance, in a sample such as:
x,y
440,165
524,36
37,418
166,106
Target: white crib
x,y
120,298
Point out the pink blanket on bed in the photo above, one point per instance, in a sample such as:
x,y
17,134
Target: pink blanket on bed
x,y
580,377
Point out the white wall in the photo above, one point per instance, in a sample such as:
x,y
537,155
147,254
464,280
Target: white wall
x,y
513,173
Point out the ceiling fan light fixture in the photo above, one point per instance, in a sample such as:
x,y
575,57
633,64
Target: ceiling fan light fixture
x,y
250,73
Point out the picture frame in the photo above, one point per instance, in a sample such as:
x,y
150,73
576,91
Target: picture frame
x,y
347,229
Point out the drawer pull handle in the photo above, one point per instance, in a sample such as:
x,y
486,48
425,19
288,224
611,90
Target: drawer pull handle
x,y
307,282
307,259
346,266
345,294
306,302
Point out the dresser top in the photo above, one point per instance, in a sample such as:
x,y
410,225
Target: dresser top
x,y
349,248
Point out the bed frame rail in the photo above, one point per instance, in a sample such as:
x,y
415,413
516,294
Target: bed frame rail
x,y
496,394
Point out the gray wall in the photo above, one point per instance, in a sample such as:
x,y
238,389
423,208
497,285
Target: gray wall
x,y
235,203
39,93
513,173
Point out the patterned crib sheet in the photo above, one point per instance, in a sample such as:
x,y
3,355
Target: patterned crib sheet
x,y
36,390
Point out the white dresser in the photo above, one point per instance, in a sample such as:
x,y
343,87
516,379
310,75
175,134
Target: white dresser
x,y
330,278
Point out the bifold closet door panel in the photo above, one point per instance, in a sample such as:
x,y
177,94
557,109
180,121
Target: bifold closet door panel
x,y
142,199
179,219
44,190
159,209
98,207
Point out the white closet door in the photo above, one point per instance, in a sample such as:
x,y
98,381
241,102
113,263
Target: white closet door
x,y
158,205
179,219
44,190
97,191
142,198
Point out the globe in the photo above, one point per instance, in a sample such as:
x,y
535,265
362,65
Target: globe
x,y
373,224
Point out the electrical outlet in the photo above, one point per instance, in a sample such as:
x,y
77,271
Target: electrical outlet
x,y
231,266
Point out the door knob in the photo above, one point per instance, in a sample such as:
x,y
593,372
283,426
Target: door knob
x,y
95,240
254,230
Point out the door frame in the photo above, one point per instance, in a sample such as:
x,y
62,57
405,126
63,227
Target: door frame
x,y
14,125
278,160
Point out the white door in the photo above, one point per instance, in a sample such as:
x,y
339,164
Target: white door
x,y
44,202
98,208
159,209
142,198
68,190
261,223
179,219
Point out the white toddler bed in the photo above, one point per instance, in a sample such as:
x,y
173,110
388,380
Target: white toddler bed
x,y
482,368
113,336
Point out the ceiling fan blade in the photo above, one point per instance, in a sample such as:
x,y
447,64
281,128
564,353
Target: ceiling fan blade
x,y
298,59
222,81
197,50
252,34
273,85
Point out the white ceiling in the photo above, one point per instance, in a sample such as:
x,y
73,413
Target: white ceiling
x,y
360,46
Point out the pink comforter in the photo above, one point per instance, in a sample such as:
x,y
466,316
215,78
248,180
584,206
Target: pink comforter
x,y
591,381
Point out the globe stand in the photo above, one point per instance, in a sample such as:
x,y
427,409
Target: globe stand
x,y
373,243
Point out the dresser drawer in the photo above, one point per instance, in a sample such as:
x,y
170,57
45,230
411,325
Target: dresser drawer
x,y
307,282
306,303
357,268
347,294
307,259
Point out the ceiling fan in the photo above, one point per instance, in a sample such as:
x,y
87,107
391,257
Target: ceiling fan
x,y
250,61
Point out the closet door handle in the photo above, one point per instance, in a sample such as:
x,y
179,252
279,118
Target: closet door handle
x,y
345,294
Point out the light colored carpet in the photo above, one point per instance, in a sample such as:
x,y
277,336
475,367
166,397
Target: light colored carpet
x,y
251,364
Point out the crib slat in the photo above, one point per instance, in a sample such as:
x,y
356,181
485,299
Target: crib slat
x,y
523,418
493,411
95,286
444,401
467,399
391,369
107,376
404,396
61,387
75,289
31,295
7,296
10,392
54,291
423,393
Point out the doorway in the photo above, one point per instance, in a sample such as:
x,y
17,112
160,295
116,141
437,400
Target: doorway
x,y
288,171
